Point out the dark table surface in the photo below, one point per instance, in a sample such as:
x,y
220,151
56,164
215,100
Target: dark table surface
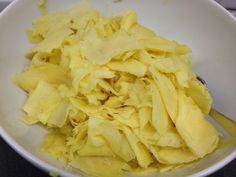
x,y
13,165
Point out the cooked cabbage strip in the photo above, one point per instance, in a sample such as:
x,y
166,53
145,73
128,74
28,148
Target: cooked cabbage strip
x,y
195,138
50,73
168,92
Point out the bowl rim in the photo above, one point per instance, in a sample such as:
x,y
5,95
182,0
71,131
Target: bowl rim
x,y
49,168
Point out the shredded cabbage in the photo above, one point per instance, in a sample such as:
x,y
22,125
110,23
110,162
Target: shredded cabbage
x,y
115,96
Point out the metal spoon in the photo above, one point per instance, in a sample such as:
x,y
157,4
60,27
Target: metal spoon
x,y
227,123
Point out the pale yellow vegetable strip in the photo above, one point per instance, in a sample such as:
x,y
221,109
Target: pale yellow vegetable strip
x,y
116,141
90,150
173,155
59,115
158,44
160,117
145,115
165,65
50,73
142,154
127,116
80,104
55,144
107,87
128,20
130,66
101,52
30,120
199,93
42,102
170,138
200,136
103,72
107,166
168,92
53,41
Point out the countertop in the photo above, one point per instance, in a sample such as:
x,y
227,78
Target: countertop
x,y
13,165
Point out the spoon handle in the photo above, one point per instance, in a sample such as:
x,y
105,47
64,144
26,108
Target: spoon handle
x,y
228,124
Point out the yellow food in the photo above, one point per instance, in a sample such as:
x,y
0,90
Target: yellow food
x,y
115,96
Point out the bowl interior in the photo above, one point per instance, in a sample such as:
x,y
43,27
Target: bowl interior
x,y
202,25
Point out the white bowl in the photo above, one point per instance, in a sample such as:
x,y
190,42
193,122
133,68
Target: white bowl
x,y
202,24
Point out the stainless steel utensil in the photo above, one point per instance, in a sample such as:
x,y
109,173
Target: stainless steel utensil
x,y
225,122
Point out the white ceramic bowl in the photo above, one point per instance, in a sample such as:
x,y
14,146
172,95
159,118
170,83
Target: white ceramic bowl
x,y
202,24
